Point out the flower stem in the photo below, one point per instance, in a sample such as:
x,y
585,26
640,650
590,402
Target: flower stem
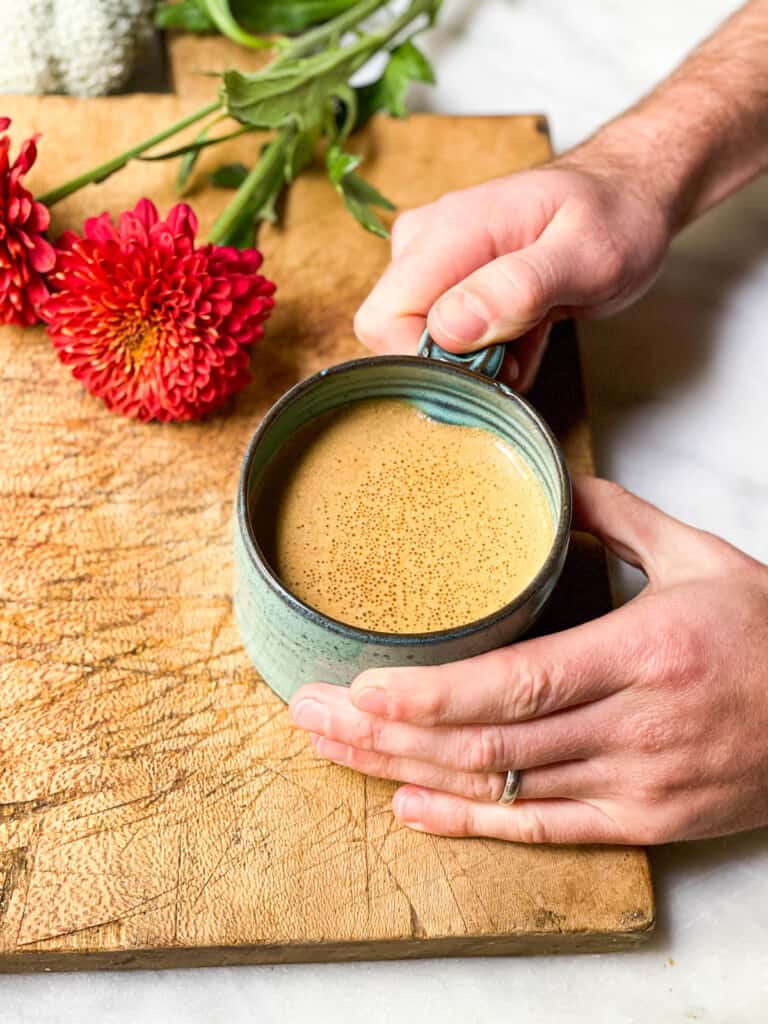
x,y
268,177
309,41
368,43
257,188
104,170
375,40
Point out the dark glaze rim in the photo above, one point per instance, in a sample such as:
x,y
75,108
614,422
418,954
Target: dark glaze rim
x,y
256,556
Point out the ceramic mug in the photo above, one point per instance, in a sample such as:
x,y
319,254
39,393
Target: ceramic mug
x,y
291,643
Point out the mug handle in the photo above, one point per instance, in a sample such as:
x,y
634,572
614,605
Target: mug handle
x,y
486,361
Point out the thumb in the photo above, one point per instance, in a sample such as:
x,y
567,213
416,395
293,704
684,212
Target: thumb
x,y
503,299
641,534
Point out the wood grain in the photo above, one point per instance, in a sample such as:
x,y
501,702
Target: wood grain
x,y
156,807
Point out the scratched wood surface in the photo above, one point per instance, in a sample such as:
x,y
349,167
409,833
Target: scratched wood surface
x,y
156,808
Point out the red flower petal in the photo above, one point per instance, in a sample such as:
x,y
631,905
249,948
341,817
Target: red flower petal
x,y
155,327
25,255
99,229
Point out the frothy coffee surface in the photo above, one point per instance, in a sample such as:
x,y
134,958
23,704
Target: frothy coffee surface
x,y
385,519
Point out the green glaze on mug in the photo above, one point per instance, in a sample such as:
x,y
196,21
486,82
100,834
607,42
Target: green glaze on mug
x,y
292,644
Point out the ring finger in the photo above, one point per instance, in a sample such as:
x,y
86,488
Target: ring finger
x,y
571,779
568,735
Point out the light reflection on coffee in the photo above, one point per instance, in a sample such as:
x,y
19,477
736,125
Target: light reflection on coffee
x,y
385,519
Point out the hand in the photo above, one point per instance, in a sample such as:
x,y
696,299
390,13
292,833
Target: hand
x,y
644,726
504,260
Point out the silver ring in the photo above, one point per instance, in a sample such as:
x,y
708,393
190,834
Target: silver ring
x,y
511,786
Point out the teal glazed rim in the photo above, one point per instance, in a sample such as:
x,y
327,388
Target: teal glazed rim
x,y
431,366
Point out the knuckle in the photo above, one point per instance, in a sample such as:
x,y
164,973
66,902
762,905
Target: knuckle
x,y
651,733
416,694
529,691
684,651
530,826
483,750
486,788
360,760
428,707
405,700
677,653
651,790
458,819
433,696
366,733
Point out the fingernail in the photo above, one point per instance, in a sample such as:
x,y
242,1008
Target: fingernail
x,y
457,316
512,369
309,714
372,699
409,807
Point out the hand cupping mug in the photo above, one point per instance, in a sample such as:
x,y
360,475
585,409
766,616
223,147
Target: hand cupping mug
x,y
395,510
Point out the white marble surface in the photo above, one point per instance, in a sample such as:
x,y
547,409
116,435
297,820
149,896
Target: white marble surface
x,y
677,387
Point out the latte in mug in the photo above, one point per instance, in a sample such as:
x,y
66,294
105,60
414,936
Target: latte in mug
x,y
382,518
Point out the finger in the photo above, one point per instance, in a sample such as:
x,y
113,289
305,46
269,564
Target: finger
x,y
526,821
528,354
638,532
473,785
510,370
525,681
500,301
513,293
570,779
570,735
438,252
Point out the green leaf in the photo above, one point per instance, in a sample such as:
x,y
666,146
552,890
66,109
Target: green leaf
x,y
188,16
299,91
282,16
359,196
340,163
364,192
406,64
305,94
221,15
229,175
252,15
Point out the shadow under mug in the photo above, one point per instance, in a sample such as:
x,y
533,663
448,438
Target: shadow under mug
x,y
291,643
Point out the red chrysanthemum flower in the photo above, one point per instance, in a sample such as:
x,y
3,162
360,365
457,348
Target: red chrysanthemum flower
x,y
155,327
24,254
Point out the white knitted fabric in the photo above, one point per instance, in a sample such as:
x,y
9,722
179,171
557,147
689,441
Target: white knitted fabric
x,y
83,47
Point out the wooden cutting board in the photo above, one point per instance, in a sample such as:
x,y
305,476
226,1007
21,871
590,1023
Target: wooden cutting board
x,y
156,807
